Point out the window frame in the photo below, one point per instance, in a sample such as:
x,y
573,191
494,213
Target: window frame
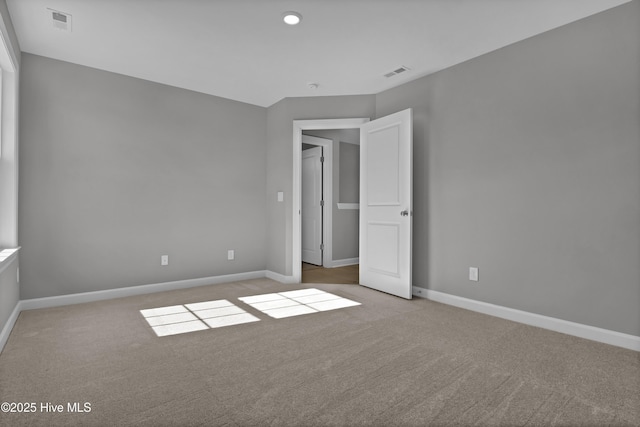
x,y
9,79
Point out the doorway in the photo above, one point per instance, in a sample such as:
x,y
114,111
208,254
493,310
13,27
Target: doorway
x,y
298,127
340,167
386,207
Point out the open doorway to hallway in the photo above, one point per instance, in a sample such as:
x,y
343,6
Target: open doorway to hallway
x,y
330,181
340,260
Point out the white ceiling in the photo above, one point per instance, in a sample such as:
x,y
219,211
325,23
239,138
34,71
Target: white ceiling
x,y
241,49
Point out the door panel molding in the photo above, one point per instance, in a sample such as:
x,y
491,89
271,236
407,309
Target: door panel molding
x,y
384,245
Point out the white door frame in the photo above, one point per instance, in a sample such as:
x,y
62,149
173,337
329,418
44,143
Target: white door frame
x,y
327,195
298,127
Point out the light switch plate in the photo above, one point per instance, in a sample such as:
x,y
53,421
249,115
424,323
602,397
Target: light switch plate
x,y
281,196
473,274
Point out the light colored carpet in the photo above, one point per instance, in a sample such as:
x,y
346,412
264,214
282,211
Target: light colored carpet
x,y
386,362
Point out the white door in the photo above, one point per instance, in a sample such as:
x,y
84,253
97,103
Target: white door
x,y
386,203
312,206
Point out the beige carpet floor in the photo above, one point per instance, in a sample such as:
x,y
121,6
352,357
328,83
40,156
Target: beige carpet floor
x,y
386,362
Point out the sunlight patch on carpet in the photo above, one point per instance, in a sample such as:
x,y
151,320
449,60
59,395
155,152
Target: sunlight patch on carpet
x,y
199,316
295,303
180,319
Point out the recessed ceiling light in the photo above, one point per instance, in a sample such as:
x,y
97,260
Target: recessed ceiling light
x,y
291,18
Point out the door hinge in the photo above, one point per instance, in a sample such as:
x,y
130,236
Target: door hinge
x,y
322,203
322,246
322,159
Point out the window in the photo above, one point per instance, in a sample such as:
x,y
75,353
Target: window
x,y
8,141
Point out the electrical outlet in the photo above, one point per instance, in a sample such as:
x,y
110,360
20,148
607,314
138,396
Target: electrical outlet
x,y
164,260
473,274
231,254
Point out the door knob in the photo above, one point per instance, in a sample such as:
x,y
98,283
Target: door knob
x,y
404,213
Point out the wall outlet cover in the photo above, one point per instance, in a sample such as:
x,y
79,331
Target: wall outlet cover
x,y
473,274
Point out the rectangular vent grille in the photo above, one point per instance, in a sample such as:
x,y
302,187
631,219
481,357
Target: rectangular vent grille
x,y
60,20
402,69
59,17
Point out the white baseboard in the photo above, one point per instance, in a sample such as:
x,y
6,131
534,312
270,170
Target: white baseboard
x,y
606,336
279,277
344,262
8,326
79,298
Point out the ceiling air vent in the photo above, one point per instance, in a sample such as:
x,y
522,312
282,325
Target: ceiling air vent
x,y
402,69
61,20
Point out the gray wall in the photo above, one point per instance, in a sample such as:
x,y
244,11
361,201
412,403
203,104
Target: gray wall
x,y
346,167
280,162
349,173
527,166
346,238
117,171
